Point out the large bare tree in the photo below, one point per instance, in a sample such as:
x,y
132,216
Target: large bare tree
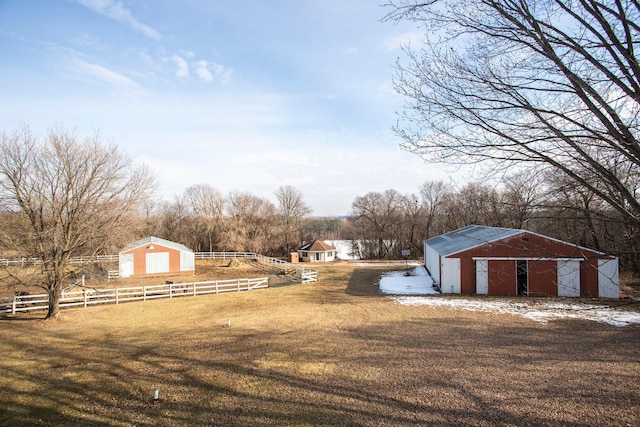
x,y
72,193
207,204
291,209
251,221
544,83
378,219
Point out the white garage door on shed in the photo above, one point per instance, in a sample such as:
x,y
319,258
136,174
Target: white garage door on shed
x,y
157,262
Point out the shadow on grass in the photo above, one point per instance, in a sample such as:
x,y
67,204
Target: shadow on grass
x,y
366,281
414,366
404,372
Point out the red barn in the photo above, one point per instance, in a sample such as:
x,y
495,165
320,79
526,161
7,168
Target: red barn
x,y
503,261
153,255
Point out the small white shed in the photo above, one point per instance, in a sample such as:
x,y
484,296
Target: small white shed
x,y
317,251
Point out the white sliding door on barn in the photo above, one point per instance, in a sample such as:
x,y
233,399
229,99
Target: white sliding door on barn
x,y
568,278
126,265
157,262
608,278
482,277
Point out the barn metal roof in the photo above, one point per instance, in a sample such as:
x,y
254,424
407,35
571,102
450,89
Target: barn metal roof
x,y
158,241
468,237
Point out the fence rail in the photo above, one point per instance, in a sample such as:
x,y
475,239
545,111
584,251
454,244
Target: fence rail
x,y
306,274
23,262
87,297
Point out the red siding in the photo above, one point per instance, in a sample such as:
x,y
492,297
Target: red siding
x,y
140,259
589,278
502,278
543,278
527,245
467,277
542,274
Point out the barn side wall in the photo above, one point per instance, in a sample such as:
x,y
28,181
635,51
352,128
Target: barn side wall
x,y
542,273
432,262
140,259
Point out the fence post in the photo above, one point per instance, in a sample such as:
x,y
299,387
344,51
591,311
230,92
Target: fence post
x,y
13,305
216,286
84,295
194,289
238,282
117,296
170,290
144,293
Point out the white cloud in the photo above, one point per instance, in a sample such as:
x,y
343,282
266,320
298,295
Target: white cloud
x,y
183,66
104,75
206,72
203,72
115,10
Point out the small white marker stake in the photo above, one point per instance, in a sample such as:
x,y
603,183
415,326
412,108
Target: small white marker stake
x,y
228,322
156,394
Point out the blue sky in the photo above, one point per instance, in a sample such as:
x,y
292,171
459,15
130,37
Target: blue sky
x,y
243,96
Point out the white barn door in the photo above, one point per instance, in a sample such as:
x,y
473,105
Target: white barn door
x,y
568,278
157,262
187,260
608,282
482,277
450,280
126,265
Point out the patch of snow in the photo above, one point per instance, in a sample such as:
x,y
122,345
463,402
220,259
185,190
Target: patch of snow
x,y
538,311
408,282
344,249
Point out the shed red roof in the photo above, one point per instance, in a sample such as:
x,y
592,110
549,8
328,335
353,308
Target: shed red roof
x,y
317,246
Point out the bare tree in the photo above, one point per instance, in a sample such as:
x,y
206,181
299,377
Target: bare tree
x,y
292,209
378,218
175,221
474,203
208,205
250,223
520,199
546,83
434,195
72,192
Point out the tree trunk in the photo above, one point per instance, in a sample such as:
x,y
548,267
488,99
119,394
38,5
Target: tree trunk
x,y
55,294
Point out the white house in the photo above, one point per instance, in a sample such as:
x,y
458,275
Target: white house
x,y
317,251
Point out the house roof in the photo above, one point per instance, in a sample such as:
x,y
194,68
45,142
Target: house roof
x,y
317,246
468,237
158,241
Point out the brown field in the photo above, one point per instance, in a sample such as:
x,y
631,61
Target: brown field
x,y
331,353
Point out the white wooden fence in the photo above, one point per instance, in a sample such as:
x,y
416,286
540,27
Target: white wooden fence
x,y
306,274
73,260
87,297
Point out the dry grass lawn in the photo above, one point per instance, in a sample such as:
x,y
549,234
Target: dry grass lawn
x,y
331,353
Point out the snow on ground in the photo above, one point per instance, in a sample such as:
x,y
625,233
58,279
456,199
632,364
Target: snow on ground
x,y
407,282
420,283
344,249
